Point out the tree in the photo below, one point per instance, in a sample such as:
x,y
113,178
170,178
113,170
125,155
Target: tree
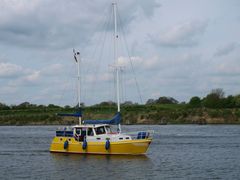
x,y
23,105
166,100
4,106
195,102
127,103
218,92
41,106
67,107
53,106
150,101
107,103
82,104
237,100
215,99
229,102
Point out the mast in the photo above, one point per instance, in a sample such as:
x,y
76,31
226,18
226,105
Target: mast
x,y
116,58
78,82
115,52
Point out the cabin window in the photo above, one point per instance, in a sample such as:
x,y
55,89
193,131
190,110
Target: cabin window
x,y
78,131
90,132
81,131
108,129
100,130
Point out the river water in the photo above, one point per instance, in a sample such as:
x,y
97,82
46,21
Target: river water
x,y
177,152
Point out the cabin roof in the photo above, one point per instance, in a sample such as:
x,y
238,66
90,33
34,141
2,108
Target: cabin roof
x,y
90,125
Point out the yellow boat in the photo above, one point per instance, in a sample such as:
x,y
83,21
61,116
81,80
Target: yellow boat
x,y
99,139
96,136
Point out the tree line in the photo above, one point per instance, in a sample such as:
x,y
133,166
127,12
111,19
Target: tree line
x,y
215,99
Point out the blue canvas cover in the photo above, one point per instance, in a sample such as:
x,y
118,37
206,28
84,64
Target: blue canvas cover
x,y
77,114
115,120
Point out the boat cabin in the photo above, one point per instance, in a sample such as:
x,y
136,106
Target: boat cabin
x,y
81,131
95,132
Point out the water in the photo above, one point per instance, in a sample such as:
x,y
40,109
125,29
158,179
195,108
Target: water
x,y
177,151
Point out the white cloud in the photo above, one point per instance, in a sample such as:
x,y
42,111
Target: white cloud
x,y
58,24
139,62
32,77
103,77
29,79
155,95
10,8
8,90
53,70
228,68
185,34
37,37
10,70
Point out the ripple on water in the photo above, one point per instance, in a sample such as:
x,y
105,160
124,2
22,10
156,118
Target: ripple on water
x,y
182,152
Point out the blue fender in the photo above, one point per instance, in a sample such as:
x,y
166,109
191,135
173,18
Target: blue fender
x,y
107,144
84,145
65,145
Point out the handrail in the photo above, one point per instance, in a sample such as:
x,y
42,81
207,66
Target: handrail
x,y
140,134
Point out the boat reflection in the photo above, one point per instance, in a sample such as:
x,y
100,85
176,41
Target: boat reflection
x,y
104,166
78,157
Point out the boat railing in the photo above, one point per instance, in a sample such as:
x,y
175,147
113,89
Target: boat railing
x,y
64,132
141,134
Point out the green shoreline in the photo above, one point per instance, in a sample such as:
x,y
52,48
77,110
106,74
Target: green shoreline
x,y
133,114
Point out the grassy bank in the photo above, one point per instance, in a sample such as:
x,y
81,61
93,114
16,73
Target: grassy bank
x,y
134,114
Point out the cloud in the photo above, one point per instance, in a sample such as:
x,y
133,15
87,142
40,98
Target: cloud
x,y
17,75
53,70
181,35
32,77
57,24
225,50
139,62
132,7
8,90
227,67
148,7
28,79
8,70
37,37
104,77
157,63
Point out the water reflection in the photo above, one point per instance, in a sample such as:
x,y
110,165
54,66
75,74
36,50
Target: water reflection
x,y
93,166
185,152
78,157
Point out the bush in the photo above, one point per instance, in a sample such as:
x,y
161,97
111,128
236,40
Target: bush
x,y
215,99
166,100
195,102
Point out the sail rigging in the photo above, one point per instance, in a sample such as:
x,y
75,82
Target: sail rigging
x,y
96,136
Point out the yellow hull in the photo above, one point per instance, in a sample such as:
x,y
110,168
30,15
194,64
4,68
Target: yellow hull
x,y
134,147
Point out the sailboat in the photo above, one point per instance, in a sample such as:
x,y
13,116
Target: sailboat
x,y
97,136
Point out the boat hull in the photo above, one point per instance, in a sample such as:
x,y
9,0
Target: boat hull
x,y
133,147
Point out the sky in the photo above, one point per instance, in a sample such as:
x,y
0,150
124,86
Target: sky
x,y
165,47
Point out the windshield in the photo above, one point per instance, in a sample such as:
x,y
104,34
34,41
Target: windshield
x,y
108,129
100,130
